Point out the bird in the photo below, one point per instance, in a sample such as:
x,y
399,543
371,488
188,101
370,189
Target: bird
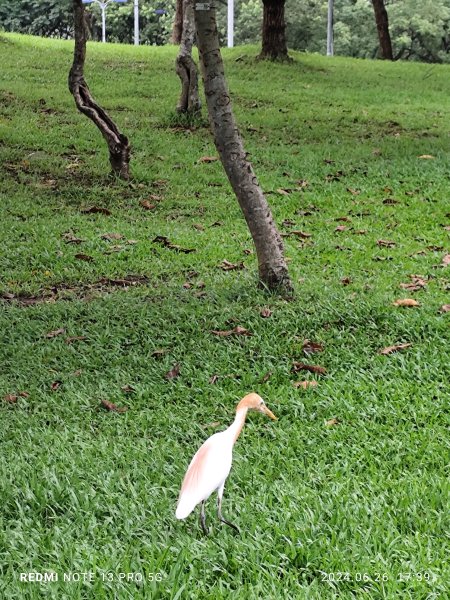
x,y
211,464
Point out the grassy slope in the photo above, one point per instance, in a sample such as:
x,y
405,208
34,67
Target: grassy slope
x,y
88,490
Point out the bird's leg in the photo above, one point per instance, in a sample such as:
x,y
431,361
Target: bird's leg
x,y
203,519
219,509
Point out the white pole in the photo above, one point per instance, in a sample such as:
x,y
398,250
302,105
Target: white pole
x,y
230,26
103,22
136,22
330,48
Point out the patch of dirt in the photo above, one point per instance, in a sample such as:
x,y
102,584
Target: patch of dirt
x,y
64,291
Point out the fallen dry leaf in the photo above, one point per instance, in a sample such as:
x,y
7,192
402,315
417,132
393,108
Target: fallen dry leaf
x,y
390,201
341,228
55,385
164,241
10,398
416,283
266,377
345,219
173,373
69,238
386,243
96,209
446,260
396,348
445,308
84,257
23,394
147,205
310,347
128,389
406,302
301,234
208,159
353,191
238,330
112,236
226,265
52,334
284,191
305,384
331,422
346,281
213,379
106,404
265,313
299,366
426,156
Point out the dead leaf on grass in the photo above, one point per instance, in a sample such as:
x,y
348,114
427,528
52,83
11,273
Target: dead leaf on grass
x,y
426,156
396,348
84,257
341,228
299,366
128,389
386,243
406,302
346,281
345,219
55,385
96,209
69,238
10,398
226,265
331,422
446,260
445,308
208,159
107,405
305,384
353,191
238,330
174,372
390,201
147,205
310,347
213,379
417,283
158,352
164,241
266,377
56,332
265,313
111,236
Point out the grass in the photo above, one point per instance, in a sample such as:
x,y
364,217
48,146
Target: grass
x,y
358,509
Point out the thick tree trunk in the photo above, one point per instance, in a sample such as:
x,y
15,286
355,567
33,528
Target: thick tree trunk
x,y
273,31
189,101
273,271
177,27
384,36
118,145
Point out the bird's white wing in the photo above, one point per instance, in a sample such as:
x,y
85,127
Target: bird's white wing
x,y
208,470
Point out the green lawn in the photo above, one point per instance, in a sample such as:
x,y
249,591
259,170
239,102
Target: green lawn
x,y
353,509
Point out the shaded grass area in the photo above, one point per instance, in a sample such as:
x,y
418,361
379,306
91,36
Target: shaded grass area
x,y
357,509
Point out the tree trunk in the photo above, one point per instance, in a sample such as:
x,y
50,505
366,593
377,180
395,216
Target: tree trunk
x,y
186,68
384,36
273,32
177,28
118,145
273,271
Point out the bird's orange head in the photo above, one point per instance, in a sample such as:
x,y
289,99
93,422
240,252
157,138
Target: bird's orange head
x,y
255,402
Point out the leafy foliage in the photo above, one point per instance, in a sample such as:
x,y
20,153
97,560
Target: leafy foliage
x,y
419,28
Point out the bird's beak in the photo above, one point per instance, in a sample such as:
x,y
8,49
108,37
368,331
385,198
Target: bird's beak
x,y
268,412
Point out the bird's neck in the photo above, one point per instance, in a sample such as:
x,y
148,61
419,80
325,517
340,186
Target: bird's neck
x,y
238,423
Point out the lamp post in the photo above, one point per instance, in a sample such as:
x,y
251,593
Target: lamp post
x,y
230,23
103,5
136,22
330,27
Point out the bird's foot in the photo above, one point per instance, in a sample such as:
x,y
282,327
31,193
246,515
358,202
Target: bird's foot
x,y
230,524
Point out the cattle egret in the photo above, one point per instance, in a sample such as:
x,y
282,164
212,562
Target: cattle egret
x,y
211,464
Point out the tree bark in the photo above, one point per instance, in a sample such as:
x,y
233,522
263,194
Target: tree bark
x,y
273,32
381,19
177,28
186,68
273,272
118,145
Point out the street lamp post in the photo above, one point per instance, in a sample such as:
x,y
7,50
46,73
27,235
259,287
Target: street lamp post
x,y
330,28
136,22
103,5
230,23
